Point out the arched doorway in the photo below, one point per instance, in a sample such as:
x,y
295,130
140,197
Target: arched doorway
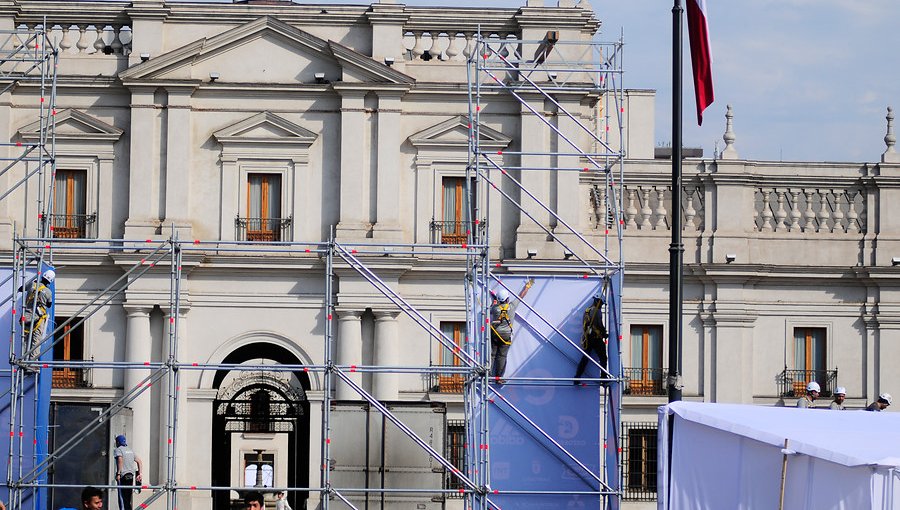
x,y
260,426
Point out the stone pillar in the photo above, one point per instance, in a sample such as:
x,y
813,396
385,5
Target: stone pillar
x,y
733,348
387,227
535,136
147,18
387,348
566,203
6,222
105,166
138,349
181,423
349,351
352,225
178,160
142,188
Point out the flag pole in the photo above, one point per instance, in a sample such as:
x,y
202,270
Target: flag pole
x,y
676,248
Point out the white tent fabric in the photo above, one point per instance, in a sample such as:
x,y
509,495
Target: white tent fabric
x,y
730,456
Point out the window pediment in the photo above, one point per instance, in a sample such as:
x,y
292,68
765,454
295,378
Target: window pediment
x,y
454,134
263,133
73,126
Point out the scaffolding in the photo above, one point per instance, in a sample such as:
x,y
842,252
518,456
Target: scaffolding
x,y
554,83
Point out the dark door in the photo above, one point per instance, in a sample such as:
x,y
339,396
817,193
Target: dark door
x,y
85,464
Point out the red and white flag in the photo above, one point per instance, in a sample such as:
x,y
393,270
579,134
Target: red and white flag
x,y
701,59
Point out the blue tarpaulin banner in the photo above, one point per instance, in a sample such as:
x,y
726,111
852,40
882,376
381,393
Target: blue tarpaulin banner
x,y
546,433
28,444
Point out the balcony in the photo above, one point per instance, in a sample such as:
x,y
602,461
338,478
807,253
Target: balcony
x,y
70,378
792,383
644,382
452,232
266,230
447,383
73,226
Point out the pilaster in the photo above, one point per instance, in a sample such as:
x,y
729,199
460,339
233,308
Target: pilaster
x,y
387,348
387,226
349,352
352,225
143,198
178,160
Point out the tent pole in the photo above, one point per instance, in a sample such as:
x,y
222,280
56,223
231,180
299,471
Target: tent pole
x,y
783,474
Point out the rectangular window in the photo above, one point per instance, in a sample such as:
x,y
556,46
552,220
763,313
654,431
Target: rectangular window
x,y
809,358
456,453
70,347
639,464
70,219
455,331
259,470
456,216
646,371
264,219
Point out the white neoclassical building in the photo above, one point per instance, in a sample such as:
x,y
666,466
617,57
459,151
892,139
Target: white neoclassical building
x,y
264,121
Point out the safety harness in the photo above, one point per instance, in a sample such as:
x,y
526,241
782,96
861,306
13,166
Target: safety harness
x,y
39,309
503,316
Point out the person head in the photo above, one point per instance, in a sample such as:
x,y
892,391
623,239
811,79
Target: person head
x,y
813,389
49,275
279,494
91,498
120,440
884,400
598,297
502,295
840,393
253,500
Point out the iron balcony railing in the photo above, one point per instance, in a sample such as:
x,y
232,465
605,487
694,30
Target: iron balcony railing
x,y
71,378
73,226
453,232
263,229
645,382
446,383
792,383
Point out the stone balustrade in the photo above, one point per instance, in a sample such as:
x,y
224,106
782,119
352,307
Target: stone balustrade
x,y
450,45
97,39
799,209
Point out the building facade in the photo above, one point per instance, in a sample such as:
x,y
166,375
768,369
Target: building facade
x,y
266,121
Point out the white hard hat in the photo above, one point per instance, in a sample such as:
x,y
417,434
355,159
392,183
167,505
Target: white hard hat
x,y
502,294
886,397
840,390
813,386
49,275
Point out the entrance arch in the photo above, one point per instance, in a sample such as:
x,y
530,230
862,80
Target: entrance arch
x,y
260,420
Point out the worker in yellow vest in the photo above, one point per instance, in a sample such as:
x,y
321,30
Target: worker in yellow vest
x,y
502,316
36,308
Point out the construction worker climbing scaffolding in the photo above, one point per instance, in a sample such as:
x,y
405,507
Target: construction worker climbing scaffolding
x,y
593,336
36,308
502,316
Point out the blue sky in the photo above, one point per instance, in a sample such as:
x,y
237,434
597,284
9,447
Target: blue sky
x,y
809,80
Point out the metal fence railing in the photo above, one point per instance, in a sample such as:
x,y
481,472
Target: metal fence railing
x,y
73,226
71,378
639,461
263,229
645,382
452,232
792,383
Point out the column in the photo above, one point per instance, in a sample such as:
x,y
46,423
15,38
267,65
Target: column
x,y
534,138
6,180
142,188
349,351
567,207
182,417
387,227
352,225
178,160
387,348
138,349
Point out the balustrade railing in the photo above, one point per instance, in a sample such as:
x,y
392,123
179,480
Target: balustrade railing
x,y
822,210
73,226
645,382
649,207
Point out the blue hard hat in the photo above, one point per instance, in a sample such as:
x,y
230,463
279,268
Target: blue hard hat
x,y
120,440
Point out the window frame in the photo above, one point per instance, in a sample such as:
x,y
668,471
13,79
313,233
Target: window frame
x,y
647,489
61,374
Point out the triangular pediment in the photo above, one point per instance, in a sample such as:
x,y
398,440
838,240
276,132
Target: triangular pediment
x,y
265,128
73,125
265,50
454,133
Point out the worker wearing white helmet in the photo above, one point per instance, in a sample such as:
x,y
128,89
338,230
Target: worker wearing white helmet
x,y
808,401
35,309
502,314
840,393
881,404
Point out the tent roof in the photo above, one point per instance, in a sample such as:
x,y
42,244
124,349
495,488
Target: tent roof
x,y
851,438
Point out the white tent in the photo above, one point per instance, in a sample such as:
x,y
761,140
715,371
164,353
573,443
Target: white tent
x,y
730,456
